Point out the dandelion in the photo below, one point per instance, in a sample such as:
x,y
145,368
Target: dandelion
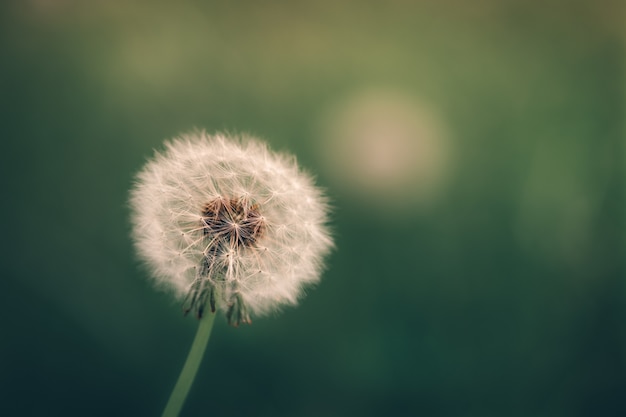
x,y
226,224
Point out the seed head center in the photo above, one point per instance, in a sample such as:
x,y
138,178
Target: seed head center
x,y
232,221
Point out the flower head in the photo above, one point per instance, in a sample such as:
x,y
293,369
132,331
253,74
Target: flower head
x,y
227,224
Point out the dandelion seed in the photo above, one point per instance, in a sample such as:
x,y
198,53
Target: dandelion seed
x,y
228,225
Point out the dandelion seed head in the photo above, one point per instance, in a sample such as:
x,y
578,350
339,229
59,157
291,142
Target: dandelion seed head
x,y
224,221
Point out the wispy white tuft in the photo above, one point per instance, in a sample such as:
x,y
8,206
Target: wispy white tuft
x,y
225,223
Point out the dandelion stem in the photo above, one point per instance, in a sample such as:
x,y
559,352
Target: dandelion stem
x,y
187,375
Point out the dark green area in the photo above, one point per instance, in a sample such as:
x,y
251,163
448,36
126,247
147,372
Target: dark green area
x,y
505,296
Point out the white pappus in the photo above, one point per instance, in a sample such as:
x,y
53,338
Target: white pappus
x,y
227,224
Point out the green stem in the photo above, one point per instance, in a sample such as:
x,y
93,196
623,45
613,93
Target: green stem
x,y
187,375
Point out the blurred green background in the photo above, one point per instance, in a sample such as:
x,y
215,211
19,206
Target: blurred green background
x,y
473,152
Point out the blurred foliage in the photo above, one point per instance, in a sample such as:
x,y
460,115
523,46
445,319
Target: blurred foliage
x,y
504,296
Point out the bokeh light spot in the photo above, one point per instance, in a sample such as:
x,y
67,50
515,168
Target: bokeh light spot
x,y
381,143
